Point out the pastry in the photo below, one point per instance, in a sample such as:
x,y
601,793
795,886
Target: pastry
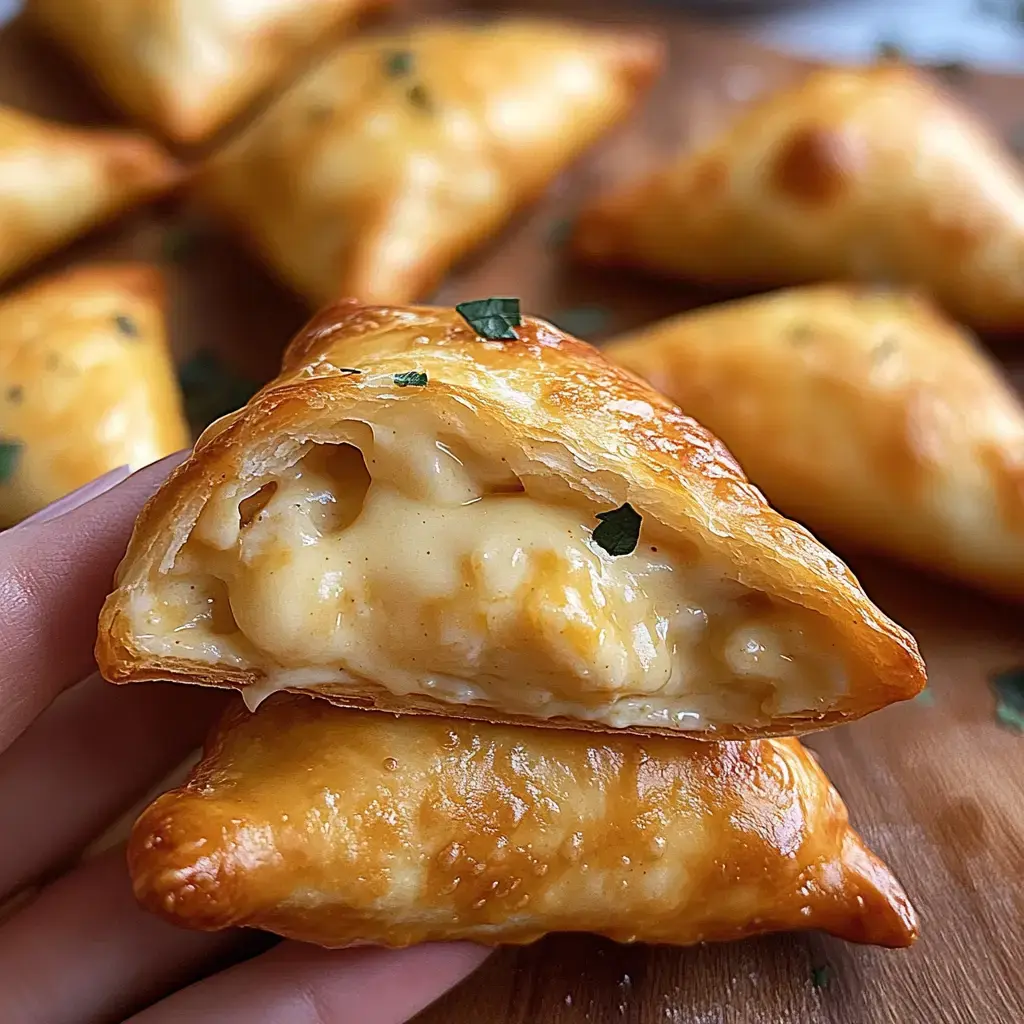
x,y
378,170
188,68
867,173
86,383
471,513
58,181
863,413
340,827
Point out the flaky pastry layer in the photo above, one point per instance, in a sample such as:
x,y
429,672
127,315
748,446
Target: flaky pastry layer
x,y
340,827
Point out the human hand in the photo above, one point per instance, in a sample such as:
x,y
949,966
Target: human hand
x,y
75,753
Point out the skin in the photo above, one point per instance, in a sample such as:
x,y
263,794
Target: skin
x,y
75,753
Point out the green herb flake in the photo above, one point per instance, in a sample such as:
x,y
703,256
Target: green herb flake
x,y
10,454
15,393
211,389
493,319
1008,687
582,321
127,326
410,379
398,63
619,530
418,97
821,975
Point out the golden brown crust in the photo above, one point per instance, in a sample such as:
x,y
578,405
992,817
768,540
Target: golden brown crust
x,y
88,383
189,77
889,426
569,424
867,173
339,827
90,176
378,170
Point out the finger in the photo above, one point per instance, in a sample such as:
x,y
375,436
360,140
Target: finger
x,y
54,576
92,753
298,984
103,955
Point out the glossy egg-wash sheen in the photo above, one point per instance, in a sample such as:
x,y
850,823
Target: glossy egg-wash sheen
x,y
340,827
867,173
576,432
376,171
86,382
187,68
890,426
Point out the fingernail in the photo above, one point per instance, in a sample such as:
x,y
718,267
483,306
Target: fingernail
x,y
79,497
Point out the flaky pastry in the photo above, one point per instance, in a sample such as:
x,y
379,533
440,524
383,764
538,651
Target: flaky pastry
x,y
380,168
58,181
863,413
86,383
867,173
425,535
341,827
188,68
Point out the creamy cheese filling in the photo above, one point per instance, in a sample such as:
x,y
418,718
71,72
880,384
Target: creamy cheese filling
x,y
422,567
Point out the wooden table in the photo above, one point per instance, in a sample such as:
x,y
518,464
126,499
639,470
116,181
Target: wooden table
x,y
935,785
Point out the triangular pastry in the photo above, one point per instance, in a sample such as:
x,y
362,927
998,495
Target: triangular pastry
x,y
86,383
505,529
59,181
188,68
863,413
340,827
379,169
867,173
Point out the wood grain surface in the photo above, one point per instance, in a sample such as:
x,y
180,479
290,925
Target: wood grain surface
x,y
936,785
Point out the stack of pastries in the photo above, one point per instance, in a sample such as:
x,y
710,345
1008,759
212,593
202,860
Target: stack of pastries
x,y
523,651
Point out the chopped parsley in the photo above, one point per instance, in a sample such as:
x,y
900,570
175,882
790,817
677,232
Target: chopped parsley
x,y
820,976
398,63
211,389
127,326
1008,686
418,97
15,393
493,319
410,379
619,530
10,453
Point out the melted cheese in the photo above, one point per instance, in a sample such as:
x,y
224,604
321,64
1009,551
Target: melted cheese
x,y
430,572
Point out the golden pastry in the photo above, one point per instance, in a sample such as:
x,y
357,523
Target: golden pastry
x,y
378,170
58,181
341,827
508,529
861,412
867,173
188,68
86,383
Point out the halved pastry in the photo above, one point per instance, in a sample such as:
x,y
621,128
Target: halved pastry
x,y
863,413
379,169
187,68
418,518
867,173
341,827
57,181
86,383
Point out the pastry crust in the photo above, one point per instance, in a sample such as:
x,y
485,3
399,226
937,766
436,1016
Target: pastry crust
x,y
188,68
867,173
890,427
379,169
340,827
543,415
86,382
60,181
